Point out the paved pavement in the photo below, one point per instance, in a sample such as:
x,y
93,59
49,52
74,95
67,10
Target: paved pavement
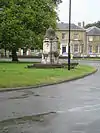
x,y
72,107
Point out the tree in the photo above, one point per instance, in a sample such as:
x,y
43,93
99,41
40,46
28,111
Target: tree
x,y
97,24
23,23
57,1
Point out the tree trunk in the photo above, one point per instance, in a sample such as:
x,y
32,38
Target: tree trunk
x,y
24,51
14,55
5,53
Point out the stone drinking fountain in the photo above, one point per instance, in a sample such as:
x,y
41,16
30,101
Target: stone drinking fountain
x,y
50,48
50,54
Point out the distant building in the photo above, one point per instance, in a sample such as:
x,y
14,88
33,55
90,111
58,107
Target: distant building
x,y
78,39
93,41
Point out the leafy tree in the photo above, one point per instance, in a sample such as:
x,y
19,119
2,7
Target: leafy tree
x,y
57,1
97,24
23,23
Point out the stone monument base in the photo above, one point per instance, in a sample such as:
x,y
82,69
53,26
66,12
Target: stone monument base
x,y
52,66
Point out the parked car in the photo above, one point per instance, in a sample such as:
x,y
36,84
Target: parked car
x,y
92,55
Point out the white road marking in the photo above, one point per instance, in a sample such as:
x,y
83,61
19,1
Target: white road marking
x,y
83,123
85,108
78,132
61,112
92,109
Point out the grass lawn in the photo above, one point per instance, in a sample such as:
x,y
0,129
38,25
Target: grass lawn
x,y
91,58
16,75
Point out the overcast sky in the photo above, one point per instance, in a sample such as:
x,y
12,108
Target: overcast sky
x,y
82,10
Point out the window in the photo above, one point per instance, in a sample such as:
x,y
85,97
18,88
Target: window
x,y
76,48
90,49
63,35
63,49
82,48
97,49
97,38
76,36
90,38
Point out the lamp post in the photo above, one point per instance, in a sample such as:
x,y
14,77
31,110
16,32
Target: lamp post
x,y
51,39
51,51
69,35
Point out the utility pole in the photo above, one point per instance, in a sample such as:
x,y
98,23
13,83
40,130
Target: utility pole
x,y
69,35
51,51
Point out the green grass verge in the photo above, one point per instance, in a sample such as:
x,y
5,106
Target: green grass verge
x,y
16,75
92,58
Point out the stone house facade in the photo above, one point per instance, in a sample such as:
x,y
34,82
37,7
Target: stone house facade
x,y
78,39
84,42
93,41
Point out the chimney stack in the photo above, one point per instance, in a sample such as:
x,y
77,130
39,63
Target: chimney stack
x,y
79,24
83,24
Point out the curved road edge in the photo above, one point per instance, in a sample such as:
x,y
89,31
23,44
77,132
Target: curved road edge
x,y
42,85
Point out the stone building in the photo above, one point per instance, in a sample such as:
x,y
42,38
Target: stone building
x,y
93,41
78,39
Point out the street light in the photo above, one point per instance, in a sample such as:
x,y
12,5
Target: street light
x,y
51,39
69,35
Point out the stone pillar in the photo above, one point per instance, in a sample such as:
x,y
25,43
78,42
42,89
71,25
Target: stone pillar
x,y
21,51
28,52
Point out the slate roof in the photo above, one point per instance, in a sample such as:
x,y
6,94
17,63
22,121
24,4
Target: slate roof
x,y
93,31
65,26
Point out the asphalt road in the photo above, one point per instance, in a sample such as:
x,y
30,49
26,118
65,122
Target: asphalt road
x,y
72,107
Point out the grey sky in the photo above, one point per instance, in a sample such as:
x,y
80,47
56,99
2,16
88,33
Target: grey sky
x,y
82,10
